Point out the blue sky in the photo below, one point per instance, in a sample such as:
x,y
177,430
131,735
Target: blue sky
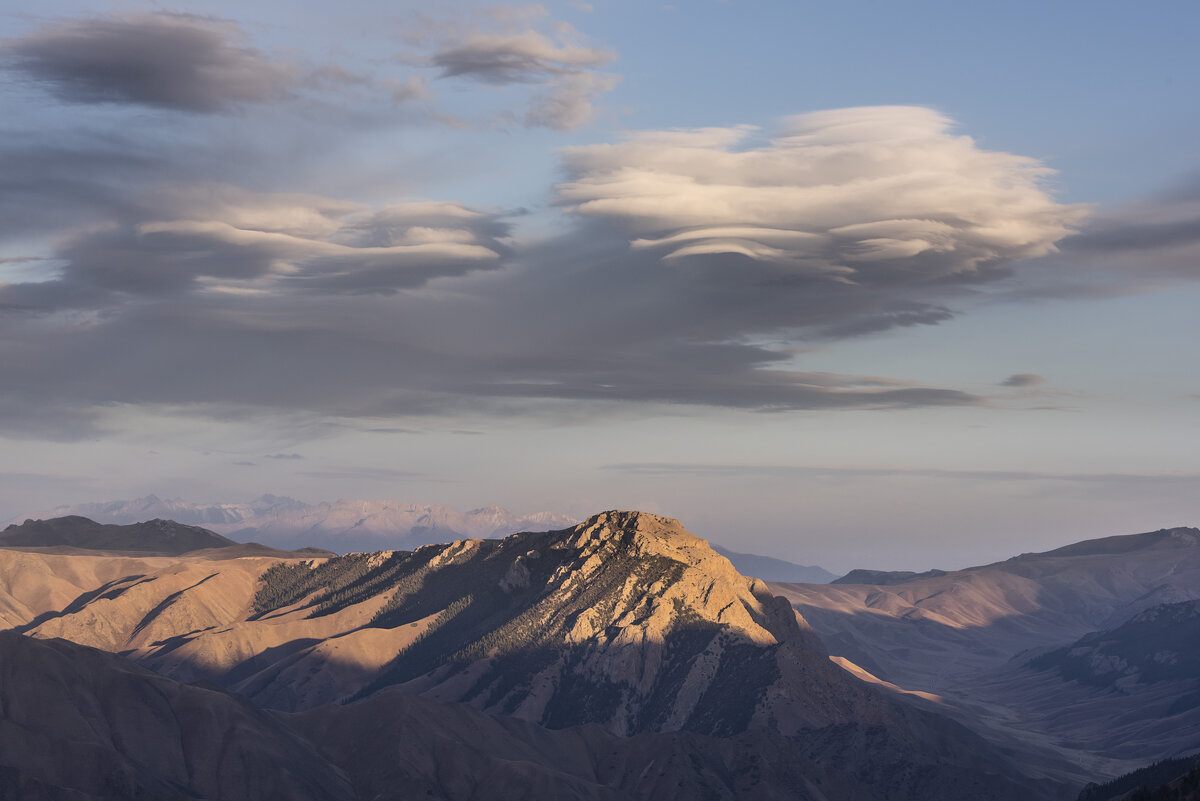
x,y
882,284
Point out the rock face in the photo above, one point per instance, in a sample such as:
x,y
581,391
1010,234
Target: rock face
x,y
153,537
79,724
968,636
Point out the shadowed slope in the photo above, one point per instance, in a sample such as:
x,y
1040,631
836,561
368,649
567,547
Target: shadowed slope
x,y
77,723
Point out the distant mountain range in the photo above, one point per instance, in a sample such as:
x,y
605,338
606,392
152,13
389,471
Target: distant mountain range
x,y
770,569
153,536
358,525
1091,646
343,525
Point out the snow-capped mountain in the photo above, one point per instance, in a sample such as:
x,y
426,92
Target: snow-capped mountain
x,y
343,525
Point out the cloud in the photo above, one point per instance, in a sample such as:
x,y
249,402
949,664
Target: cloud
x,y
367,473
222,301
222,239
726,471
170,61
525,57
558,61
283,456
878,195
568,103
1023,380
1140,235
1156,238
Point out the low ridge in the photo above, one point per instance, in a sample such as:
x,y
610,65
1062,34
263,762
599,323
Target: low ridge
x,y
153,536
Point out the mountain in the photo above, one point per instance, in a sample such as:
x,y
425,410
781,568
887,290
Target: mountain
x,y
155,536
343,526
1161,644
80,724
1167,780
622,628
83,725
771,569
883,577
967,638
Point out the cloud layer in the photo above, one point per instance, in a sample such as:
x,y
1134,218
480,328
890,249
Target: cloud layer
x,y
205,238
695,269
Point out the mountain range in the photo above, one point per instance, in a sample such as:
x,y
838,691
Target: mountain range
x,y
342,525
369,525
1080,658
619,658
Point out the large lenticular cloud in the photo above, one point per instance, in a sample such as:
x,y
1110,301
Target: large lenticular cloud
x,y
880,194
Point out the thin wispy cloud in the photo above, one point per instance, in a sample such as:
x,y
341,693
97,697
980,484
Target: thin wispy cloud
x,y
725,471
1023,380
368,473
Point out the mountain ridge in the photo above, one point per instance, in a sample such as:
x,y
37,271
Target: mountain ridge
x,y
158,536
344,525
985,623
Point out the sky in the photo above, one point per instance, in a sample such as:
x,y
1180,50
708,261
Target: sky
x,y
857,284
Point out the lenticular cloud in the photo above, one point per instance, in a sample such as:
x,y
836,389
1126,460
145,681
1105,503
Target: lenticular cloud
x,y
861,195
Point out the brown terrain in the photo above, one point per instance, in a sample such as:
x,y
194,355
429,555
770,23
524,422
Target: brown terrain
x,y
621,658
966,639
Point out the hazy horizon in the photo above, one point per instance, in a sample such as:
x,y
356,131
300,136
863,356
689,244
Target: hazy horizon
x,y
846,284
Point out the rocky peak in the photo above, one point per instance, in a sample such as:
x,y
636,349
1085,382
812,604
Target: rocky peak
x,y
627,620
642,534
